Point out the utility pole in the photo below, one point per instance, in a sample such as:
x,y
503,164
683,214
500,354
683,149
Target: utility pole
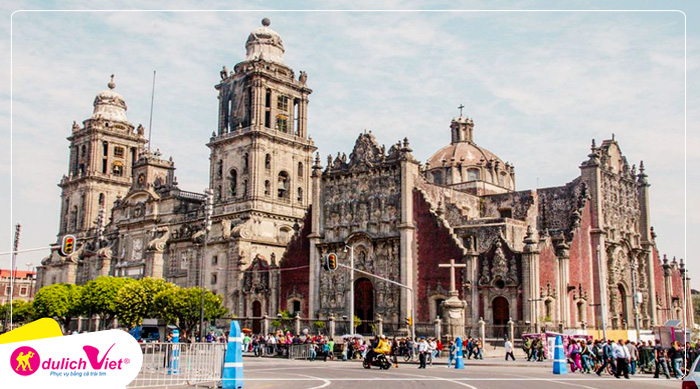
x,y
208,212
602,293
352,289
13,268
635,298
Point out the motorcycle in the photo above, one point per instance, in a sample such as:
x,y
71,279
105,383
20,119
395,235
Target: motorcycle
x,y
379,360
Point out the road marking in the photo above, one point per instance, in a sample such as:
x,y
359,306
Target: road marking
x,y
325,381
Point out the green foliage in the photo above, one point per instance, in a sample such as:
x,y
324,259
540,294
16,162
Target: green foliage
x,y
100,296
136,300
22,311
357,321
320,324
60,301
179,305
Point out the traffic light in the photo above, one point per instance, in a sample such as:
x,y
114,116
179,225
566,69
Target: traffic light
x,y
67,245
408,321
332,261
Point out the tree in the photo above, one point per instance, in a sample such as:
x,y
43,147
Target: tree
x,y
100,297
136,300
60,301
182,306
22,311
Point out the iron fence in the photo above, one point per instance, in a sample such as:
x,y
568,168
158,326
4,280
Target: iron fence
x,y
178,364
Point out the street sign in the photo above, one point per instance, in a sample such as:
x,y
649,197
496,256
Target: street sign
x,y
67,245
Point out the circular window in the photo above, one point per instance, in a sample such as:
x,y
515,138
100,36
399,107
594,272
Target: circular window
x,y
500,284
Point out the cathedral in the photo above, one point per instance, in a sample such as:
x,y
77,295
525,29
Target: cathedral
x,y
566,257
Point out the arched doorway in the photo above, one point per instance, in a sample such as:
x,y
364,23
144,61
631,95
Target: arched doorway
x,y
364,304
257,313
501,314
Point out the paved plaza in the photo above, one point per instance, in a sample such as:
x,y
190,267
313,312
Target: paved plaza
x,y
487,374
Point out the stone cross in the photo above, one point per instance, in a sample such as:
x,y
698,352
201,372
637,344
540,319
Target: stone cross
x,y
461,106
452,265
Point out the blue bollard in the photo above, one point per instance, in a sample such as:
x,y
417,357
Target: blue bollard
x,y
559,366
174,365
232,376
459,361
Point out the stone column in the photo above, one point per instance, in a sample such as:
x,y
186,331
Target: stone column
x,y
482,332
531,277
668,268
563,286
409,170
266,324
297,324
315,237
438,328
380,325
511,330
80,324
331,323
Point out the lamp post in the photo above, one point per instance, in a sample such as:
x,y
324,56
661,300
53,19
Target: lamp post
x,y
636,296
208,212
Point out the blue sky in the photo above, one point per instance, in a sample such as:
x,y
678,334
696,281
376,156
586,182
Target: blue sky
x,y
539,87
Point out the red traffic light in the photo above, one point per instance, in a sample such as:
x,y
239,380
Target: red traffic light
x,y
67,245
332,261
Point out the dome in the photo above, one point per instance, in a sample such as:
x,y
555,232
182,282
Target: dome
x,y
468,154
462,162
109,105
264,43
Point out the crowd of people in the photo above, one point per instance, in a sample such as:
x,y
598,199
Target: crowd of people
x,y
621,358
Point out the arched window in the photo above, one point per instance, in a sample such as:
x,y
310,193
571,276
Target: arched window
x,y
267,187
233,181
300,195
300,170
473,174
105,148
296,306
245,188
101,199
437,177
118,168
438,307
283,185
218,193
268,161
245,163
219,169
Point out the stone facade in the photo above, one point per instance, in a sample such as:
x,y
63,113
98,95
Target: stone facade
x,y
563,256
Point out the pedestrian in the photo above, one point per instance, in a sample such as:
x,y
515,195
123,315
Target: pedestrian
x,y
660,357
634,356
527,345
331,348
477,348
422,352
312,351
509,349
451,353
622,356
432,348
586,356
470,347
395,349
575,356
675,354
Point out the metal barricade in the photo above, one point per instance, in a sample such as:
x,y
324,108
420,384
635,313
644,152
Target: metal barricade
x,y
197,363
298,351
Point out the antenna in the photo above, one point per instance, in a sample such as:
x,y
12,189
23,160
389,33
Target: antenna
x,y
150,120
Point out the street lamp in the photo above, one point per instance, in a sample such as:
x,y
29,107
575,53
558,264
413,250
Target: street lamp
x,y
208,212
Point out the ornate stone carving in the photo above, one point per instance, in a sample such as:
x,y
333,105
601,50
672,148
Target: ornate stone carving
x,y
158,242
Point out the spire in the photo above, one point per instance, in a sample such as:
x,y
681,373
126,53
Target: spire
x,y
109,105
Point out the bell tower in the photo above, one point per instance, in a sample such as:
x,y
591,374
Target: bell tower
x,y
260,170
102,153
261,155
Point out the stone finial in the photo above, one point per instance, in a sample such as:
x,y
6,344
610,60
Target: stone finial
x,y
665,260
652,232
265,22
111,84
